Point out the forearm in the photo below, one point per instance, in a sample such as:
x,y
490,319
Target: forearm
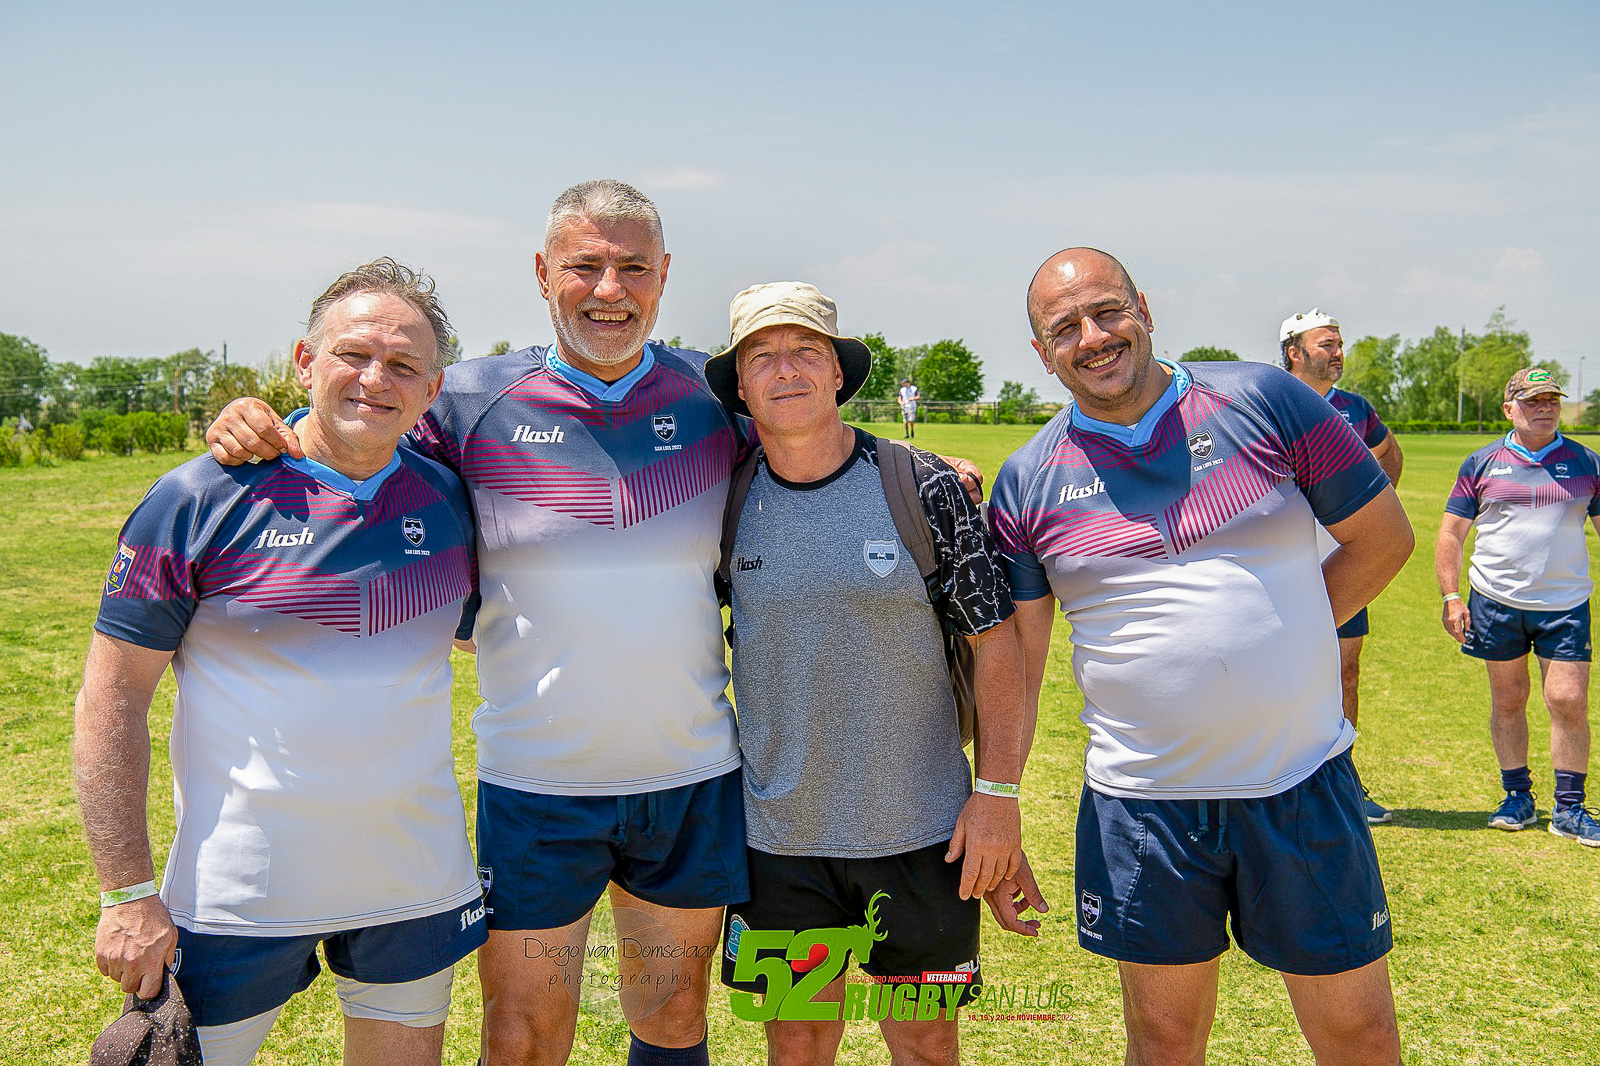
x,y
1447,555
111,753
1004,730
1391,459
1373,545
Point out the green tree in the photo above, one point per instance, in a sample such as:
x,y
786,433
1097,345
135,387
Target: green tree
x,y
25,376
1207,354
949,372
1371,368
1590,415
280,385
1015,398
499,347
1427,386
884,380
228,384
1490,360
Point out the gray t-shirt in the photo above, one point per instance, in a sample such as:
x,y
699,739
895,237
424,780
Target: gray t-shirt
x,y
846,718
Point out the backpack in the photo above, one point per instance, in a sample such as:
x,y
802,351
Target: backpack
x,y
899,473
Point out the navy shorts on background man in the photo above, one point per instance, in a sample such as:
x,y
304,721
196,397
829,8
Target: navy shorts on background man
x,y
1500,633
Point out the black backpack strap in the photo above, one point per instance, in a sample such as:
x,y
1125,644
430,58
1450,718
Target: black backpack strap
x,y
899,473
738,491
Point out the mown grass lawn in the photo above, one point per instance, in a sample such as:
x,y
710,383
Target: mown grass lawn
x,y
1496,956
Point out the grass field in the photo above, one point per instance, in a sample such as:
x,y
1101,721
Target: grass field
x,y
1496,957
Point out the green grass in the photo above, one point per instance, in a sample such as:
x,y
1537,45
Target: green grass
x,y
1495,960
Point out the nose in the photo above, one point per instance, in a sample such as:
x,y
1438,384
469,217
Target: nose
x,y
1090,335
373,376
609,287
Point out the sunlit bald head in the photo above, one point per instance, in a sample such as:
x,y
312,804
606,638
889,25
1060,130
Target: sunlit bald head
x,y
1071,267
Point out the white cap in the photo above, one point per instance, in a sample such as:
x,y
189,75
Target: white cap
x,y
1295,325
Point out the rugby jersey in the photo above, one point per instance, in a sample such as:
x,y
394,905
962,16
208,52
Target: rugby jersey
x,y
1529,508
599,507
1361,416
1183,552
311,619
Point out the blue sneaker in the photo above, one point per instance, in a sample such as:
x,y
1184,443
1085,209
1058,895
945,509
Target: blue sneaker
x,y
1377,813
1515,811
1576,823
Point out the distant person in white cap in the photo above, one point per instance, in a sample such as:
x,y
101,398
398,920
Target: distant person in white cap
x,y
1529,494
1313,351
860,806
909,395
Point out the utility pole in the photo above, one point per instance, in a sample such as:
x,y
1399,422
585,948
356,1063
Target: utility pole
x,y
1461,374
224,353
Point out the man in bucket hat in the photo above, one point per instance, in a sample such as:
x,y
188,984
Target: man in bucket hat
x,y
1313,351
858,799
1529,494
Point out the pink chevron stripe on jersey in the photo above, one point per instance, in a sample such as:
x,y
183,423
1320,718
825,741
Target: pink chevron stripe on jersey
x,y
1223,492
662,389
155,574
274,584
426,585
301,496
401,493
554,397
1324,450
505,468
678,478
1105,534
429,441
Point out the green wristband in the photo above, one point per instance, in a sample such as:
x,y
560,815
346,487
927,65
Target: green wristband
x,y
1448,596
1003,789
127,895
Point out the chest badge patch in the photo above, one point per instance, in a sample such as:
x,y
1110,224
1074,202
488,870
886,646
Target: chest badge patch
x,y
882,556
665,426
412,528
1200,445
122,565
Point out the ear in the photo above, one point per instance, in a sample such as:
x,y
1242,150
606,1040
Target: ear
x,y
1144,315
434,386
1507,407
666,261
304,356
542,270
1044,356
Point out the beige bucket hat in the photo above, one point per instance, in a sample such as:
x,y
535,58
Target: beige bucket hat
x,y
784,303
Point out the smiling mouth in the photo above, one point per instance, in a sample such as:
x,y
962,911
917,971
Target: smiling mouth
x,y
1106,360
608,316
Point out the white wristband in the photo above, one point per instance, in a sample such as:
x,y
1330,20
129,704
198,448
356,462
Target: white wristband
x,y
127,895
1448,596
1002,789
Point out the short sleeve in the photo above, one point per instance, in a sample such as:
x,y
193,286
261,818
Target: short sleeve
x,y
1011,536
149,595
1463,500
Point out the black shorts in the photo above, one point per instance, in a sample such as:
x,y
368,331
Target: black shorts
x,y
1356,627
901,916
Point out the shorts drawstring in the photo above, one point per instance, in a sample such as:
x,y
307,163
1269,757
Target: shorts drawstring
x,y
1205,820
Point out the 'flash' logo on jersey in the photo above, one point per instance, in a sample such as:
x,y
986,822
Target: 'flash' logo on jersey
x,y
529,435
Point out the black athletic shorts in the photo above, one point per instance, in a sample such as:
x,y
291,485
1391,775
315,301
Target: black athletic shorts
x,y
900,916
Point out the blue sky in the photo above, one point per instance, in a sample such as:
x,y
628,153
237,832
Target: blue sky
x,y
181,175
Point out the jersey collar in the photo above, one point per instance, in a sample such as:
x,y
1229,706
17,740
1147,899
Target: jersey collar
x,y
1515,446
359,490
611,391
1140,433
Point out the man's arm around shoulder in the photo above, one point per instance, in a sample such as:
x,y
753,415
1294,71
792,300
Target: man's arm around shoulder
x,y
111,752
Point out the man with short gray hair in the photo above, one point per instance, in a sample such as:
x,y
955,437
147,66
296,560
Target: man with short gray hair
x,y
307,607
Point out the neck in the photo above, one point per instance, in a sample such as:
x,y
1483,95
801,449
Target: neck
x,y
1129,413
353,462
1320,385
1531,442
808,455
606,372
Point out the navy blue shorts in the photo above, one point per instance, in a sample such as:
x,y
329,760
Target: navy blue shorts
x,y
926,928
1158,881
1502,633
230,978
545,859
1356,627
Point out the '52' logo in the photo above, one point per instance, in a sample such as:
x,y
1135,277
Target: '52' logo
x,y
786,1000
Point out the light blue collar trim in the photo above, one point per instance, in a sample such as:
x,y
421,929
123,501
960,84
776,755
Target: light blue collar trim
x,y
1512,443
360,490
1140,433
611,391
1329,394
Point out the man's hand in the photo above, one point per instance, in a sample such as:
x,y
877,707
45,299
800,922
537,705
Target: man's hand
x,y
1456,619
134,944
971,476
1014,896
247,430
988,840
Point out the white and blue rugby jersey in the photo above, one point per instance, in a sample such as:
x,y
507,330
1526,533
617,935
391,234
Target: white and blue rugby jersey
x,y
311,619
1529,509
1183,551
600,654
1363,418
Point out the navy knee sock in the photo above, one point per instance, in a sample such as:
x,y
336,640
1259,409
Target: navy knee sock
x,y
1569,789
642,1054
1518,780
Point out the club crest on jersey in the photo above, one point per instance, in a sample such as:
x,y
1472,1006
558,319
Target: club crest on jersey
x,y
1561,470
1089,904
120,566
412,528
1200,445
882,556
665,426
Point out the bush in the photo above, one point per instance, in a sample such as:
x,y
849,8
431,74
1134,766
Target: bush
x,y
66,441
115,434
10,447
154,431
